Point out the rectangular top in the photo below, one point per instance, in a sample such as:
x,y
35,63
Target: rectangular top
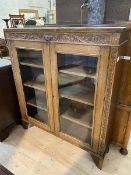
x,y
107,35
75,27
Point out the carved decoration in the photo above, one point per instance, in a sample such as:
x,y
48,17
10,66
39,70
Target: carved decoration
x,y
107,102
101,39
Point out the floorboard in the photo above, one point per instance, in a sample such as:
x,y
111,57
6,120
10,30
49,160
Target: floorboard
x,y
36,152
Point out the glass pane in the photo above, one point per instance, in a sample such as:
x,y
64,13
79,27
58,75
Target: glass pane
x,y
77,80
30,57
32,74
36,100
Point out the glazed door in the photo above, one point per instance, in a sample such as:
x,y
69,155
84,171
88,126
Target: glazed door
x,y
31,65
75,83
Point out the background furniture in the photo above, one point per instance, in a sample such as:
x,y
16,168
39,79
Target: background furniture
x,y
51,17
7,22
117,10
3,49
64,14
30,22
9,108
72,83
29,12
122,122
16,19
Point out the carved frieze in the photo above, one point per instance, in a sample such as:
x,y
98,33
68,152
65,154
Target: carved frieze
x,y
107,103
82,38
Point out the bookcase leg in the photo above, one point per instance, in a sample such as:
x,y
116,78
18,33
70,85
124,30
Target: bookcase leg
x,y
107,150
98,161
4,135
6,131
124,151
25,124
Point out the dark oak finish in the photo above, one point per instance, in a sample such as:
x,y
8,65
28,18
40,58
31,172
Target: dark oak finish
x,y
117,10
101,43
122,117
65,7
10,113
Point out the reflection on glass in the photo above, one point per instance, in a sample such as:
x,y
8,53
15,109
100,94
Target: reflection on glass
x,y
77,80
32,74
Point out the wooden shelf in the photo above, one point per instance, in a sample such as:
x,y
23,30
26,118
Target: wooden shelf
x,y
35,85
78,93
84,118
65,79
31,64
41,104
78,71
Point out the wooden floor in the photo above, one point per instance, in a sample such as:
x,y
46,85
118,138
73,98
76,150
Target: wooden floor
x,y
36,152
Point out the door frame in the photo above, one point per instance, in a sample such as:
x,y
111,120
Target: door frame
x,y
44,47
89,50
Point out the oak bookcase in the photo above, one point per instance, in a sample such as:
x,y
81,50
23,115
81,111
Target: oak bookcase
x,y
67,80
